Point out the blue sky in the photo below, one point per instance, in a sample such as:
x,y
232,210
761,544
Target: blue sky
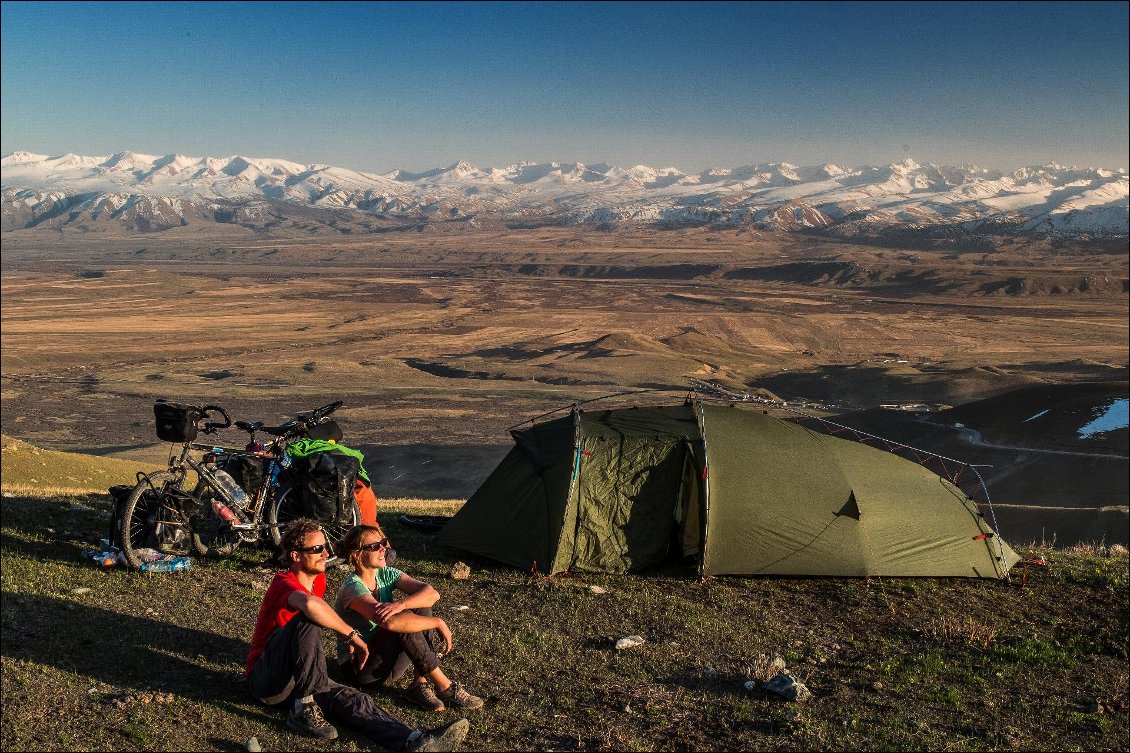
x,y
379,86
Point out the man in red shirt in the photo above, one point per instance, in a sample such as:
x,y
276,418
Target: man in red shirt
x,y
287,663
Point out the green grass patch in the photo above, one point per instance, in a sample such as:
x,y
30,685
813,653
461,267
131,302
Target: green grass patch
x,y
112,660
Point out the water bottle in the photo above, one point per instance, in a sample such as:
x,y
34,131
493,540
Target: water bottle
x,y
234,490
174,565
224,512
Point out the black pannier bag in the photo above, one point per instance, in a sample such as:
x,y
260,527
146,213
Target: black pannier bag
x,y
247,471
325,480
176,422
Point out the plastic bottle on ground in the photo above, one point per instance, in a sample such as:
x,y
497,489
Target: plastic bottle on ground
x,y
174,565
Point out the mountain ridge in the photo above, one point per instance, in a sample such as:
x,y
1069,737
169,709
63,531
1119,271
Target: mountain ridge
x,y
151,193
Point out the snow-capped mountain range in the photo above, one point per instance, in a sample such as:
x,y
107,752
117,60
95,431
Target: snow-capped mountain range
x,y
151,193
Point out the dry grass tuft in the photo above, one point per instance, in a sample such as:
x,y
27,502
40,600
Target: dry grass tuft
x,y
1099,549
952,629
764,667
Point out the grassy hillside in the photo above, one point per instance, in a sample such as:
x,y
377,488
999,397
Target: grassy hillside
x,y
25,468
112,660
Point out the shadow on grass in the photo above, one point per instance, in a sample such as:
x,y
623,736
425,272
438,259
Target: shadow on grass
x,y
55,529
126,652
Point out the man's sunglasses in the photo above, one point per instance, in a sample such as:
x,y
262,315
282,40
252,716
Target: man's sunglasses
x,y
316,549
374,546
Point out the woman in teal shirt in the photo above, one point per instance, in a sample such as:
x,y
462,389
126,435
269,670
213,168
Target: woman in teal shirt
x,y
394,628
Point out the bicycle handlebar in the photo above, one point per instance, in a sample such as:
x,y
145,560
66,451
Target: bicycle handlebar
x,y
209,427
319,413
299,424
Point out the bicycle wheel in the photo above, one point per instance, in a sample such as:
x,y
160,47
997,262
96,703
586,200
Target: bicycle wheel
x,y
212,536
152,519
288,506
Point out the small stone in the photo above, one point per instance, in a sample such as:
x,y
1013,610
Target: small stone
x,y
630,642
460,571
876,685
597,590
80,590
750,684
788,687
461,608
252,745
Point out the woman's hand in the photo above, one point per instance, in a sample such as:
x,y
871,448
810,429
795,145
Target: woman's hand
x,y
382,611
445,631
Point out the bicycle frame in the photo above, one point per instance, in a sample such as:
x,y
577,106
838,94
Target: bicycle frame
x,y
251,515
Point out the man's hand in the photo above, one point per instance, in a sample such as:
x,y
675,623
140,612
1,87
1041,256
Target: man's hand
x,y
383,611
359,650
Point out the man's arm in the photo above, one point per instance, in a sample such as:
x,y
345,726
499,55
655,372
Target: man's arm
x,y
323,615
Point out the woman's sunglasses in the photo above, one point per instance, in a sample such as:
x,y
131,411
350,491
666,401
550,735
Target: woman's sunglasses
x,y
316,549
374,546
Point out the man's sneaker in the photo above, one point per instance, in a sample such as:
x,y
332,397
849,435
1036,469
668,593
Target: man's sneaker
x,y
422,695
445,738
309,721
455,697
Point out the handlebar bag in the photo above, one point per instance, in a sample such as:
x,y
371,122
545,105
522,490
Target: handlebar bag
x,y
176,422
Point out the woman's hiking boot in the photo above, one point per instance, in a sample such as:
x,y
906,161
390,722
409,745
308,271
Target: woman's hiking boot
x,y
308,720
456,697
421,694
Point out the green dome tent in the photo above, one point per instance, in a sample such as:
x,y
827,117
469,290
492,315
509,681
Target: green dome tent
x,y
615,490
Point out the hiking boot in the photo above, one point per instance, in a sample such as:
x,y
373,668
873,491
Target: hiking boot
x,y
455,697
447,737
309,721
421,694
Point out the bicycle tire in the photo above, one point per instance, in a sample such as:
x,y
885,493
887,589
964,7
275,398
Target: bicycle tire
x,y
287,506
211,535
143,514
